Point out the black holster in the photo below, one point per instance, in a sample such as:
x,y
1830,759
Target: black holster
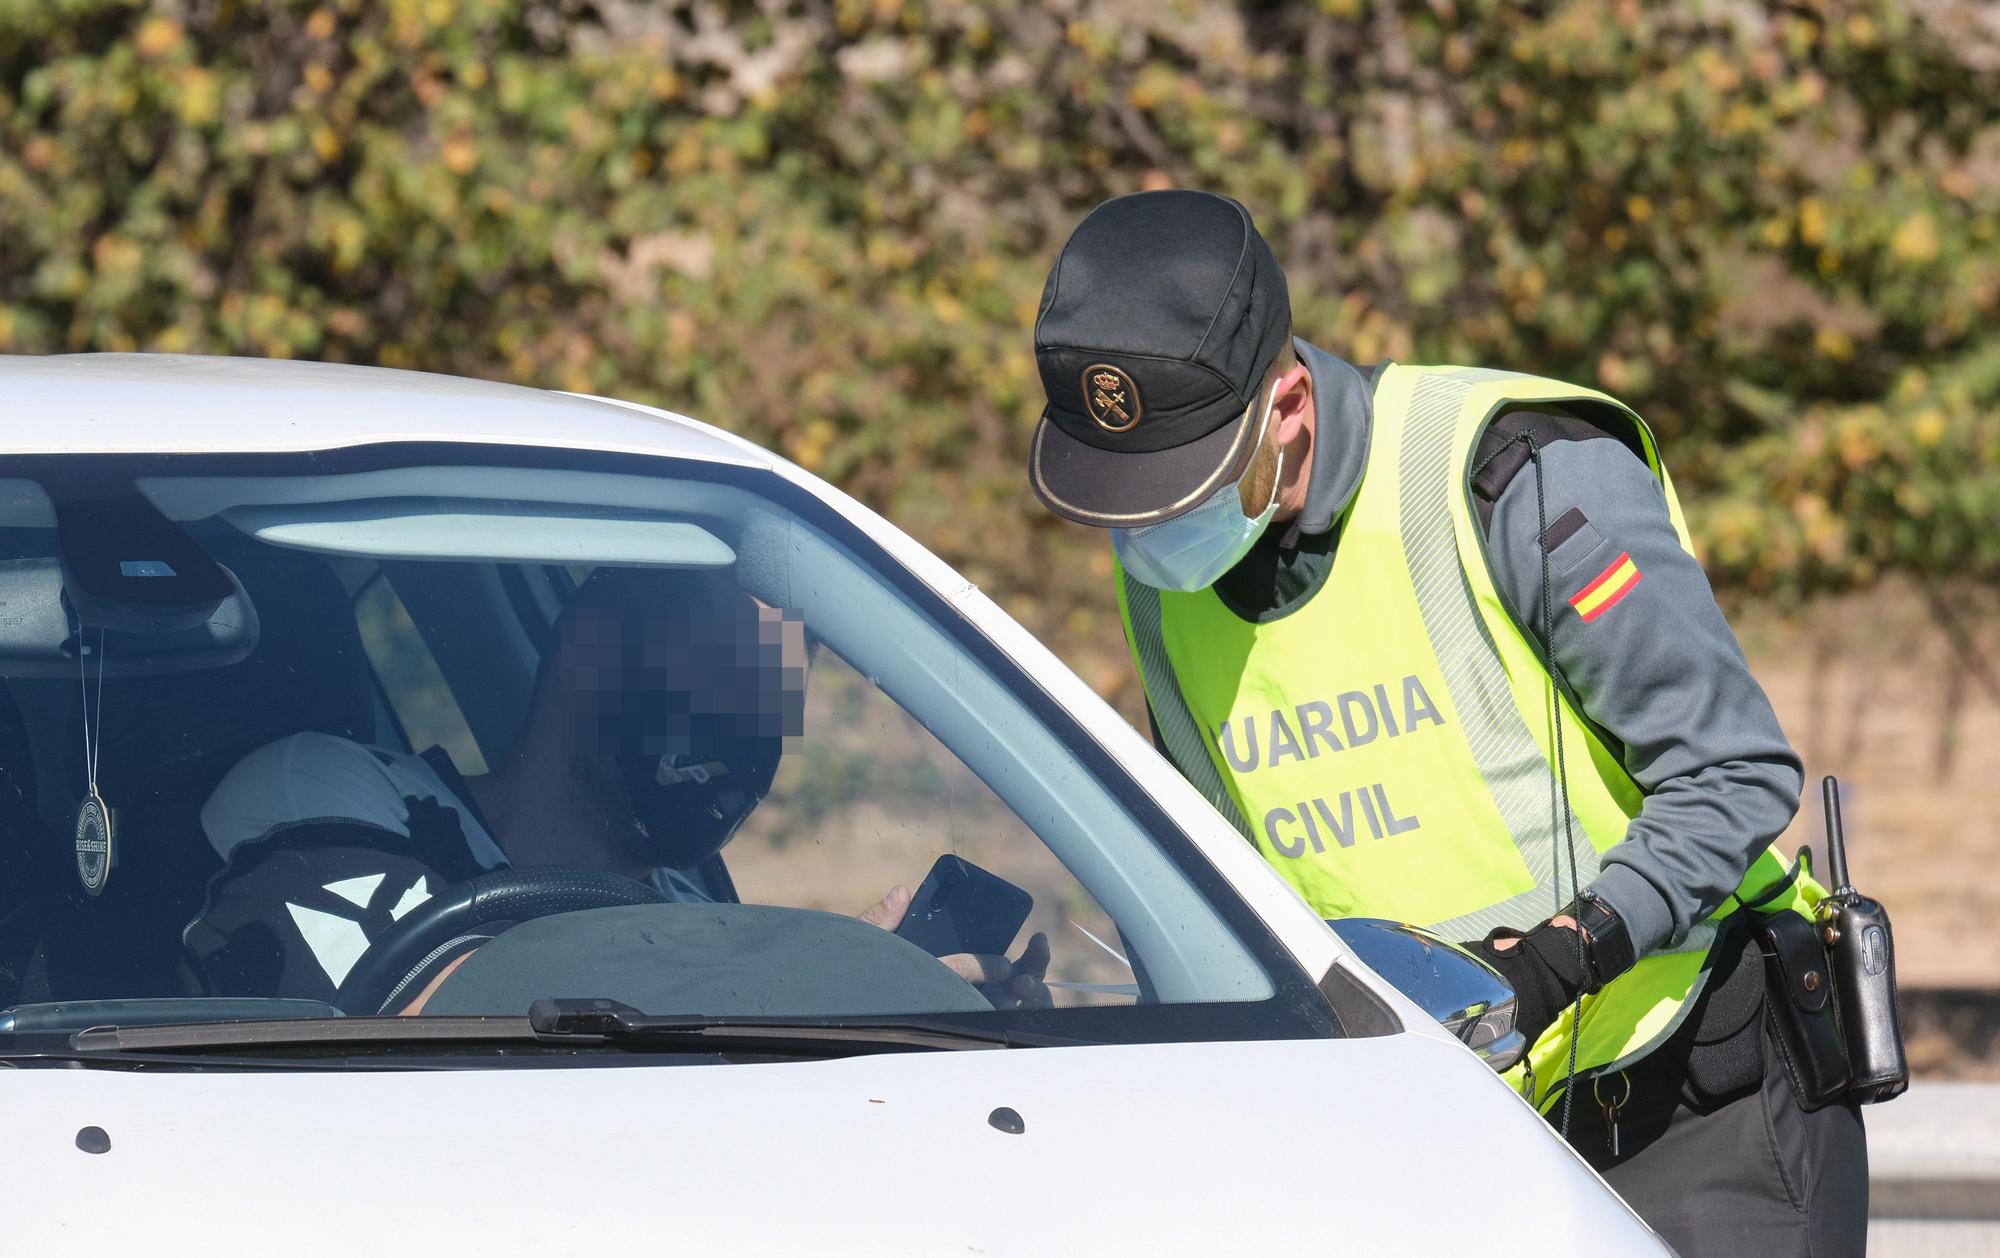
x,y
1805,1026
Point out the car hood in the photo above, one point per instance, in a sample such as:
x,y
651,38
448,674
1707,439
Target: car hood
x,y
1398,1145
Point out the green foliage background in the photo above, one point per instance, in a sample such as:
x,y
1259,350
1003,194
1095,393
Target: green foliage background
x,y
824,223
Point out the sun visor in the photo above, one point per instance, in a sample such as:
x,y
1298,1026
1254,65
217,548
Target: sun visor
x,y
127,579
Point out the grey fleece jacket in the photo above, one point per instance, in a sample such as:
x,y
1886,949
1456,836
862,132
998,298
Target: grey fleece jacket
x,y
1658,673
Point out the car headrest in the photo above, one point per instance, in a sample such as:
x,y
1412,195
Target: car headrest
x,y
168,739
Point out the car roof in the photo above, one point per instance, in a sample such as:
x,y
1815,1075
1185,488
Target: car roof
x,y
187,403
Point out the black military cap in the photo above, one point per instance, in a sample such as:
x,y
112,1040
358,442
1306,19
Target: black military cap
x,y
1159,319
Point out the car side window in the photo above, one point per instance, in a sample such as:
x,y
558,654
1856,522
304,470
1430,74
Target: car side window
x,y
410,678
869,798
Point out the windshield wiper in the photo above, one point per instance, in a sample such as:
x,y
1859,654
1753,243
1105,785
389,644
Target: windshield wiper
x,y
291,1032
616,1022
567,1022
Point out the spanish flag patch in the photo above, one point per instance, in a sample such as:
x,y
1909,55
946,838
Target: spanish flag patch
x,y
1606,588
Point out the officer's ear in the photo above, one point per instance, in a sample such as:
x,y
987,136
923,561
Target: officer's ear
x,y
1292,405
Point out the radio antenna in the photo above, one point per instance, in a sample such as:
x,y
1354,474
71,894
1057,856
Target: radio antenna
x,y
1836,836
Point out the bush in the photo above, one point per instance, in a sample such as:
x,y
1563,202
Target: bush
x,y
825,223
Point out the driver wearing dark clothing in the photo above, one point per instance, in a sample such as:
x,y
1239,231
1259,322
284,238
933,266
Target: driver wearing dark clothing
x,y
655,727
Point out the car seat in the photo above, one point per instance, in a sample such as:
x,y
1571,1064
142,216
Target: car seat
x,y
30,860
167,741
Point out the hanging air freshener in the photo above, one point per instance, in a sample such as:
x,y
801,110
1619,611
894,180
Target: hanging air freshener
x,y
93,819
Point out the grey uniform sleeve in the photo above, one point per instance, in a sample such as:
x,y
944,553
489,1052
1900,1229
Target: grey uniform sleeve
x,y
1658,670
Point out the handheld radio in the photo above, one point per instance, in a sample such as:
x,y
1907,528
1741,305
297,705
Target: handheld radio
x,y
1861,954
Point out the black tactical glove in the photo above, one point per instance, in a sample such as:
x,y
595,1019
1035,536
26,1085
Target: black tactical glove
x,y
1545,969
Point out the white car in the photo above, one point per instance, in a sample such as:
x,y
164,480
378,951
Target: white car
x,y
326,704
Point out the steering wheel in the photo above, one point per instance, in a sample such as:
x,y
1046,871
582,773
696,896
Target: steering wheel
x,y
505,895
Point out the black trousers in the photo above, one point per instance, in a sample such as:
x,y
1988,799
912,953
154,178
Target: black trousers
x,y
1714,1151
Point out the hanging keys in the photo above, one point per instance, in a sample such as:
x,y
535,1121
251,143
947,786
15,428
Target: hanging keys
x,y
1611,1109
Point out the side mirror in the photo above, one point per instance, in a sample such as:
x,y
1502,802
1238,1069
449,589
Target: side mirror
x,y
1461,991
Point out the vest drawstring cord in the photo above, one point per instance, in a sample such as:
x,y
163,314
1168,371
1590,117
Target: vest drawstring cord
x,y
1559,810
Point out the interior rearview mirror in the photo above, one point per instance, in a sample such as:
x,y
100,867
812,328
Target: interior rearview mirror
x,y
1467,996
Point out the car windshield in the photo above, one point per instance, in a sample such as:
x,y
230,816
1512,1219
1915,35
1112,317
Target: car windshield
x,y
441,731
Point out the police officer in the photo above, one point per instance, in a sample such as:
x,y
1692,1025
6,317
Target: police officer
x,y
1433,639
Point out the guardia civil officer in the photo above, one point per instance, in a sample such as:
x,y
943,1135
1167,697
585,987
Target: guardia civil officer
x,y
1433,639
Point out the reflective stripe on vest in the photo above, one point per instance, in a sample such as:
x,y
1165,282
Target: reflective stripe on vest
x,y
1388,745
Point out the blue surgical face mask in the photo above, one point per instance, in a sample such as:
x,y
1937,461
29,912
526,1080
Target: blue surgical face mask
x,y
1191,551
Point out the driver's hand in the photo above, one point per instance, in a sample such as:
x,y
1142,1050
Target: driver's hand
x,y
1015,984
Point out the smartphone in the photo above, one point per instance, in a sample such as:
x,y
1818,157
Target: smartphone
x,y
962,908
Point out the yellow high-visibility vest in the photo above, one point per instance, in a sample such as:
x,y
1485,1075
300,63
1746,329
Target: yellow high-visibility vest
x,y
1389,745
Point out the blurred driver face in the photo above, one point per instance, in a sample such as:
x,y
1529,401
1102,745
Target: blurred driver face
x,y
680,677
677,692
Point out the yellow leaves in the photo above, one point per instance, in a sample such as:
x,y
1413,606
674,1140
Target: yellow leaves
x,y
198,96
459,155
1857,440
1742,118
157,37
1812,222
1928,427
889,253
1379,336
350,239
809,442
1638,209
946,307
1915,240
1821,528
115,255
319,78
325,143
583,126
1833,343
1774,233
1861,30
1720,74
321,24
684,158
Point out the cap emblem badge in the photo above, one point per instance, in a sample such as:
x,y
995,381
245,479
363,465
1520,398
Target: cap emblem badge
x,y
1110,398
